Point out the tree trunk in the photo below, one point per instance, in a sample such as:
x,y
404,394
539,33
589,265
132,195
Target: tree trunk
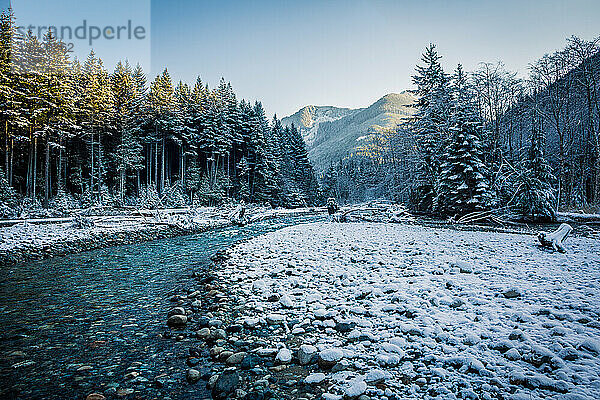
x,y
34,166
156,166
92,165
6,162
162,166
11,165
47,172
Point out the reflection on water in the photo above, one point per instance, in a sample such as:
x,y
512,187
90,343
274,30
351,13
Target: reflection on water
x,y
77,324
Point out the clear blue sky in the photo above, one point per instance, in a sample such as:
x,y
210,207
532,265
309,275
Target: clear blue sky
x,y
329,52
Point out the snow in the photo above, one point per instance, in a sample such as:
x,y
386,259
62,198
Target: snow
x,y
315,378
397,303
41,238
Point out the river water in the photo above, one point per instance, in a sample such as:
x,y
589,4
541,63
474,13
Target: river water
x,y
78,324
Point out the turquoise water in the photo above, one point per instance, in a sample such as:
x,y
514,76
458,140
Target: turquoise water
x,y
77,324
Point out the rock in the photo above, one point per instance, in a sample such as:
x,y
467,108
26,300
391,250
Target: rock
x,y
513,355
266,352
225,355
95,396
591,346
176,311
306,354
203,333
212,381
215,323
376,376
215,351
342,365
275,319
254,396
329,357
226,383
196,305
192,375
345,327
314,379
286,302
235,358
234,328
355,388
569,354
463,266
177,321
124,391
250,361
131,375
512,293
284,356
218,334
251,322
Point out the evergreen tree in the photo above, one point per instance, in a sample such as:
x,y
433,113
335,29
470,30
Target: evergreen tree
x,y
431,124
535,196
161,102
303,174
463,184
128,152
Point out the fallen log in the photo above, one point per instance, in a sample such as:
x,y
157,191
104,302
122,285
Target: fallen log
x,y
555,239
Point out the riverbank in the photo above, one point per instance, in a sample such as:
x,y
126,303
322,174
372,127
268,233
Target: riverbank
x,y
47,238
395,311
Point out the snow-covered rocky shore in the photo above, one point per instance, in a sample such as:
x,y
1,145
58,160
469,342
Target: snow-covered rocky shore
x,y
397,312
57,237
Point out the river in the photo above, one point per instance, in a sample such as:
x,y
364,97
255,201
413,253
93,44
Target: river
x,y
78,324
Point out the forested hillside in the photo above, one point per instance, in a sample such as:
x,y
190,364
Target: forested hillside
x,y
76,135
489,141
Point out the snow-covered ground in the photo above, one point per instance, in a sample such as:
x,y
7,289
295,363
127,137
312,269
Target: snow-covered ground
x,y
51,237
404,311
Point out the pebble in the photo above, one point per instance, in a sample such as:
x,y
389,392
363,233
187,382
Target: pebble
x,y
512,293
192,375
226,383
306,354
284,356
235,358
176,311
286,302
355,388
203,333
177,321
95,396
275,319
315,378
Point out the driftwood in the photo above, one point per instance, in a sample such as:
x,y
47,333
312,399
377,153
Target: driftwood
x,y
374,212
555,239
238,216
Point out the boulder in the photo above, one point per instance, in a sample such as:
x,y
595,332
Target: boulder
x,y
177,321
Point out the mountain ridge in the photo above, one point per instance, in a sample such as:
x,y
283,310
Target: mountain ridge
x,y
332,133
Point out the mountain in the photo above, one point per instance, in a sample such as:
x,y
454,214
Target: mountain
x,y
332,133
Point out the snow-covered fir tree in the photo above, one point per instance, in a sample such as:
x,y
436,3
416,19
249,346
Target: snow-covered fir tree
x,y
431,123
535,196
463,184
